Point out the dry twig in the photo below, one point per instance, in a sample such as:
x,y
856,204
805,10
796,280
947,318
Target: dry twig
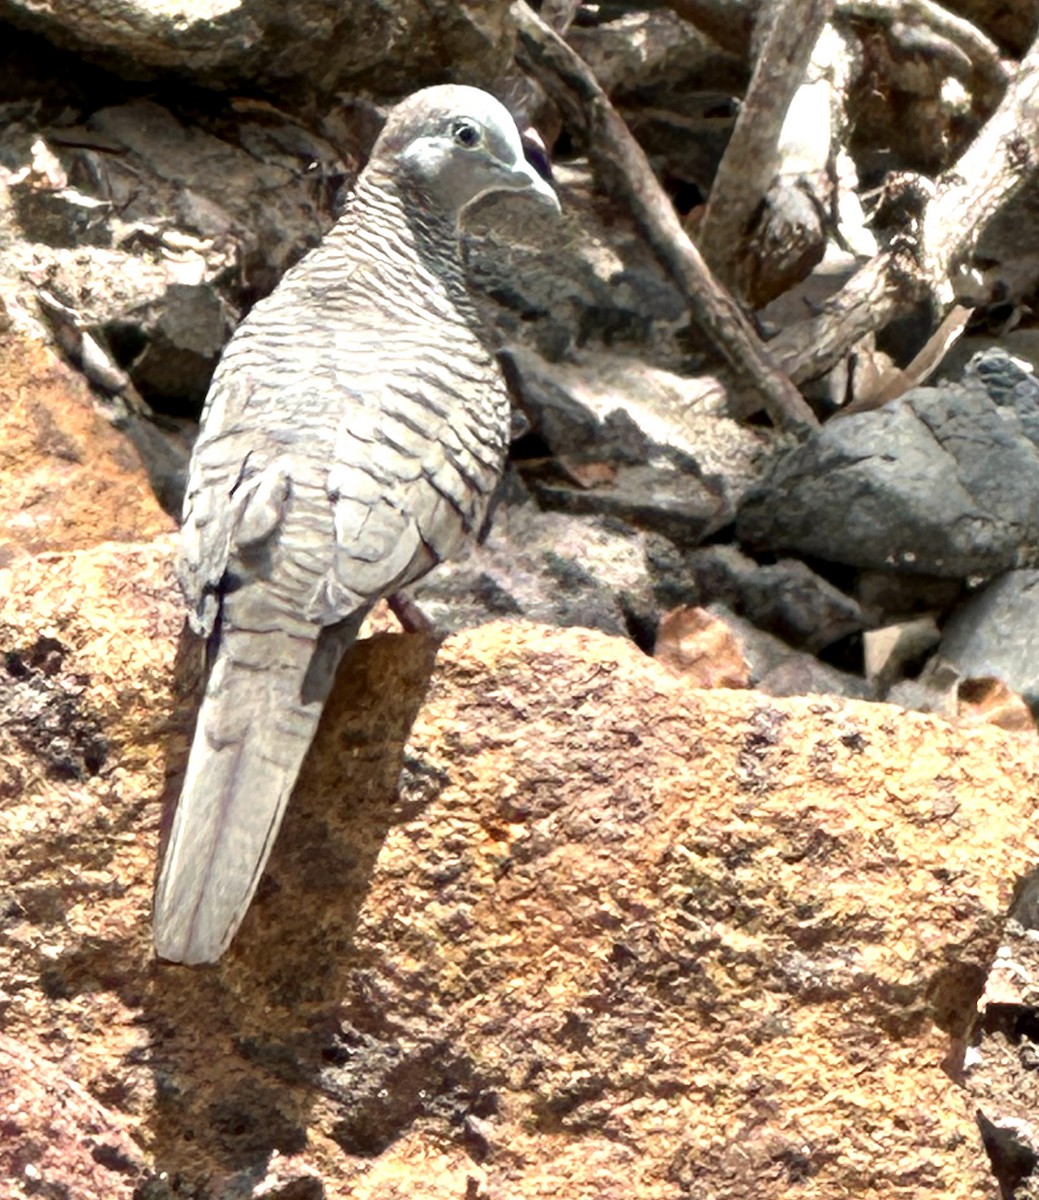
x,y
622,165
895,382
751,159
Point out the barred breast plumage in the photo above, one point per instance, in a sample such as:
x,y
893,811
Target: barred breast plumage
x,y
353,434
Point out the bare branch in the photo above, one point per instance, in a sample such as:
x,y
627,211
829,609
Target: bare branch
x,y
624,169
877,292
751,159
731,23
992,170
978,50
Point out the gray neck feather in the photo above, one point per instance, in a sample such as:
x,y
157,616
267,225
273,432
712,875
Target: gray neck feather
x,y
409,234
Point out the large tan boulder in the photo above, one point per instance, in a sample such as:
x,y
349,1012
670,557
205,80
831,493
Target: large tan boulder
x,y
543,921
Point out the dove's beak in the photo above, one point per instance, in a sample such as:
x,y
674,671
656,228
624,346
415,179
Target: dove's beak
x,y
529,179
520,177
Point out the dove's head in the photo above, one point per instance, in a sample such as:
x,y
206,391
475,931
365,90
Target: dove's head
x,y
454,144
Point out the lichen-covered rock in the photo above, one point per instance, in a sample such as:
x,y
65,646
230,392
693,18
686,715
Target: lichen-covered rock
x,y
541,917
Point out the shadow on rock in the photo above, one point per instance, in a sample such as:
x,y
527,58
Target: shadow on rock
x,y
241,1050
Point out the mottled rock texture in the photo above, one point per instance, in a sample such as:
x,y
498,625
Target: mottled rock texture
x,y
543,920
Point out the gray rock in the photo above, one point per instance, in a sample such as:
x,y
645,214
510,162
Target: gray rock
x,y
786,598
892,652
656,49
188,333
664,496
388,47
590,281
996,634
65,218
673,86
548,567
1020,344
1011,384
935,690
185,227
886,596
803,675
665,461
942,482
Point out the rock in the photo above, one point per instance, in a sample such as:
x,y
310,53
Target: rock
x,y
213,180
69,481
187,335
701,647
996,633
1020,344
587,280
785,598
658,495
777,669
893,650
942,481
521,938
887,596
57,1138
934,690
1002,1067
804,675
714,648
990,701
981,701
325,45
639,51
1011,383
570,405
187,227
654,463
548,567
528,886
673,86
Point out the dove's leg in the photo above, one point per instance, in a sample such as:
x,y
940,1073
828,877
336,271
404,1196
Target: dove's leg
x,y
411,617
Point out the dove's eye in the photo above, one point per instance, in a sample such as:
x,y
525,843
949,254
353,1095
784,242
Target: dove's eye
x,y
467,134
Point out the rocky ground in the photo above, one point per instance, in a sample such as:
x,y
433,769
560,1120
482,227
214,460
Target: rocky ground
x,y
694,855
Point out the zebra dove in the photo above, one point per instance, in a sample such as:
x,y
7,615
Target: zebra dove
x,y
353,433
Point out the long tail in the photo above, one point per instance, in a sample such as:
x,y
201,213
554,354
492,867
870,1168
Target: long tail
x,y
262,704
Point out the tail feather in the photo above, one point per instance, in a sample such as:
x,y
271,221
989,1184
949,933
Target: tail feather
x,y
253,732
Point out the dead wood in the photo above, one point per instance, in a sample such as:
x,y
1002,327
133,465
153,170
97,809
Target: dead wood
x,y
731,24
624,170
894,383
967,51
752,157
923,261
